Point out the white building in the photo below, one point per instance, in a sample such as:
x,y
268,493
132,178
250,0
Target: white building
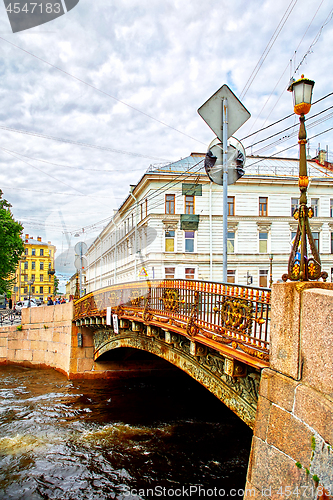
x,y
170,225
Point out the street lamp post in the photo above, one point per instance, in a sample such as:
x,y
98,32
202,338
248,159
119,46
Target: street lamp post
x,y
270,270
303,268
30,283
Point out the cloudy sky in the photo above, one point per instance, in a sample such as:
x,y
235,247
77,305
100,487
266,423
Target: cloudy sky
x,y
92,98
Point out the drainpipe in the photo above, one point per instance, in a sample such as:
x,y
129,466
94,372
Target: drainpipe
x,y
136,234
210,234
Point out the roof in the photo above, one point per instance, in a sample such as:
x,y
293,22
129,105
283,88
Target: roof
x,y
254,165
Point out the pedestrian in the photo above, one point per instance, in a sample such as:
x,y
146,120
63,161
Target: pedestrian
x,y
50,302
10,303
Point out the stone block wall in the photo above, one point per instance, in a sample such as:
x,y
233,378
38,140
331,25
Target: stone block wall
x,y
291,455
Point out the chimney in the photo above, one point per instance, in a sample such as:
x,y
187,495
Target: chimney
x,y
39,238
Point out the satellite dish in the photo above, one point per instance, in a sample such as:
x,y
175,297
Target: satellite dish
x,y
80,247
81,263
235,161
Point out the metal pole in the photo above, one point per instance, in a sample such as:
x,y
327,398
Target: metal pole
x,y
210,234
225,186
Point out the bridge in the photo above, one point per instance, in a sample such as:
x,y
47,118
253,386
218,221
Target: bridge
x,y
217,333
267,357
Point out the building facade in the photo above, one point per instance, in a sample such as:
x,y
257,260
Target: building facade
x,y
35,272
170,225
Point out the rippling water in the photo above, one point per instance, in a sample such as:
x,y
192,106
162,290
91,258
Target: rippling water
x,y
106,439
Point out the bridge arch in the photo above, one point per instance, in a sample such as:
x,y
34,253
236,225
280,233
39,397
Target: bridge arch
x,y
239,393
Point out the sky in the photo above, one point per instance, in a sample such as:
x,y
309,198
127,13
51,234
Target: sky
x,y
91,99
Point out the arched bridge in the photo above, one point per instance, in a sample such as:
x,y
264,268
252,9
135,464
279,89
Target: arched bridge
x,y
217,333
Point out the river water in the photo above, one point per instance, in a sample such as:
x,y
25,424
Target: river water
x,y
158,437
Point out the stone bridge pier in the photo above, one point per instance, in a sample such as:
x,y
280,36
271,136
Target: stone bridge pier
x,y
291,455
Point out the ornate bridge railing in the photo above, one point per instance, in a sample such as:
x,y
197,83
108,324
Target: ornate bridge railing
x,y
230,318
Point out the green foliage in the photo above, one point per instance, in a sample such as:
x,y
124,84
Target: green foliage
x,y
307,471
19,327
56,285
315,478
299,465
11,245
313,443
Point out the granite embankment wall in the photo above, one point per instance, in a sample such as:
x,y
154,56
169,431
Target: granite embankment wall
x,y
291,455
48,339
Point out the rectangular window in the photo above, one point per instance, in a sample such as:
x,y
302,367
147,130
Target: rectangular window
x,y
49,289
33,251
33,277
316,240
331,207
315,206
40,289
189,204
189,273
231,276
231,205
41,252
32,289
231,243
141,212
25,289
169,273
146,204
41,266
33,265
25,277
263,237
49,277
189,241
331,242
263,276
294,205
41,277
25,251
263,206
169,241
169,203
26,265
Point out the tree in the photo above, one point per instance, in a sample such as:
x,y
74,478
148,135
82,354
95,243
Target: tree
x,y
11,245
56,285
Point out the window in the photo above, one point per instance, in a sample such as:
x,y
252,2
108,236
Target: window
x,y
41,266
32,289
314,206
25,289
263,275
49,277
41,277
331,207
33,265
294,205
25,251
189,273
40,289
25,277
33,251
263,206
41,252
189,241
316,240
141,212
231,205
33,277
49,265
331,242
169,203
231,243
169,241
170,273
263,237
231,276
26,265
146,204
189,204
49,289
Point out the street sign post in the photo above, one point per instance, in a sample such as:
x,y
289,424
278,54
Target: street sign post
x,y
224,114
